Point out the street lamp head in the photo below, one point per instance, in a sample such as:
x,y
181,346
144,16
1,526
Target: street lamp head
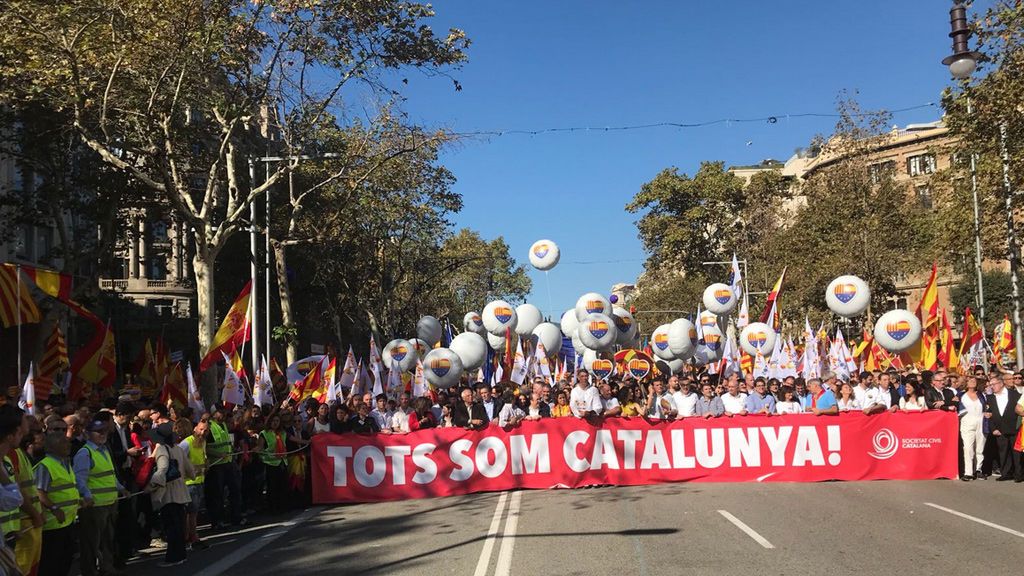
x,y
962,66
963,61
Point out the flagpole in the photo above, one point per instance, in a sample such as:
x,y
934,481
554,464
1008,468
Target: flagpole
x,y
266,257
551,305
254,295
17,272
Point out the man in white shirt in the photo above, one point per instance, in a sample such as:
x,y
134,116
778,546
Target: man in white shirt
x,y
860,391
685,400
609,403
733,400
659,403
381,413
492,406
584,400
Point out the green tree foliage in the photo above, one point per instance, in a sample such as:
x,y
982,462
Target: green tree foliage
x,y
998,296
178,93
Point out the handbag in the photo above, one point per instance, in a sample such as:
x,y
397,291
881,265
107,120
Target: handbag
x,y
145,473
173,472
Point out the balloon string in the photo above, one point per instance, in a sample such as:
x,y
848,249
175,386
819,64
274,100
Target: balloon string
x,y
551,305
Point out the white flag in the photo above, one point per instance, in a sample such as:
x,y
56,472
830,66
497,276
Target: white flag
x,y
419,382
737,278
543,364
348,373
363,381
27,402
519,365
195,401
731,358
233,393
775,362
395,387
263,391
744,317
760,365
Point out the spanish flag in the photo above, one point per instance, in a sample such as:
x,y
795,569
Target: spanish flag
x,y
773,296
948,354
51,282
924,354
94,365
233,331
972,332
1003,340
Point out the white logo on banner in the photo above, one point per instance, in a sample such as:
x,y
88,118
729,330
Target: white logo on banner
x,y
885,444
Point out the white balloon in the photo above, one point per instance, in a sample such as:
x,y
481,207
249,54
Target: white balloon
x,y
550,336
473,322
597,332
592,303
471,348
897,330
420,346
708,319
659,343
399,351
428,329
577,344
569,322
544,254
757,337
719,298
848,296
499,316
442,367
670,367
625,323
714,342
497,343
528,317
682,338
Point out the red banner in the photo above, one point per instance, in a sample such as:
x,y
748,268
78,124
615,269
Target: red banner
x,y
569,453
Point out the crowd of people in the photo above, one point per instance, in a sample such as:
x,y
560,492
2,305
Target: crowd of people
x,y
101,483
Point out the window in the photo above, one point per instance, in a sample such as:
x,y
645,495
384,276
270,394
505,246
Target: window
x,y
158,268
160,231
924,196
921,164
881,170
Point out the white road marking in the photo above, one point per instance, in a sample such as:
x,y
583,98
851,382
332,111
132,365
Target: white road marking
x,y
978,520
222,565
492,533
747,529
508,537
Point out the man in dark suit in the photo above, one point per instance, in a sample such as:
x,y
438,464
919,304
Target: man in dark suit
x,y
1002,421
469,414
938,396
121,452
492,404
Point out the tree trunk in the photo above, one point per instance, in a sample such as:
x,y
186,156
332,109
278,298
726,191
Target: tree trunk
x,y
203,268
284,294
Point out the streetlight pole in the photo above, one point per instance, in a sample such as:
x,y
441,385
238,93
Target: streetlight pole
x,y
1011,239
254,317
962,63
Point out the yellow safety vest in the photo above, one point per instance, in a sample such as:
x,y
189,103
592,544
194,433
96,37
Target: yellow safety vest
x,y
270,456
221,445
62,493
101,482
198,460
27,483
10,521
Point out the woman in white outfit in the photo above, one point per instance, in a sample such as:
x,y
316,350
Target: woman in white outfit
x,y
972,429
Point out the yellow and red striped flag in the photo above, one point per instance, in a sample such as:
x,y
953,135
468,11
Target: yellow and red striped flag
x,y
773,296
55,360
16,304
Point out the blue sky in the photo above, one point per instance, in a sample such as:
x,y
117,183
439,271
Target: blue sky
x,y
551,64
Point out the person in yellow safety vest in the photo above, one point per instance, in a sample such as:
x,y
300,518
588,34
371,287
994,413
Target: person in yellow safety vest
x,y
29,521
99,487
222,473
12,428
59,497
195,447
271,447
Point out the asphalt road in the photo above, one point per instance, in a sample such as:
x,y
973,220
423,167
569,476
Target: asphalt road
x,y
834,528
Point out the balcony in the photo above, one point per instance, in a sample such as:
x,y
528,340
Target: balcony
x,y
146,286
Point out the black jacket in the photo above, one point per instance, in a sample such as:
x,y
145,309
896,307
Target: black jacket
x,y
461,415
1005,421
946,396
498,405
